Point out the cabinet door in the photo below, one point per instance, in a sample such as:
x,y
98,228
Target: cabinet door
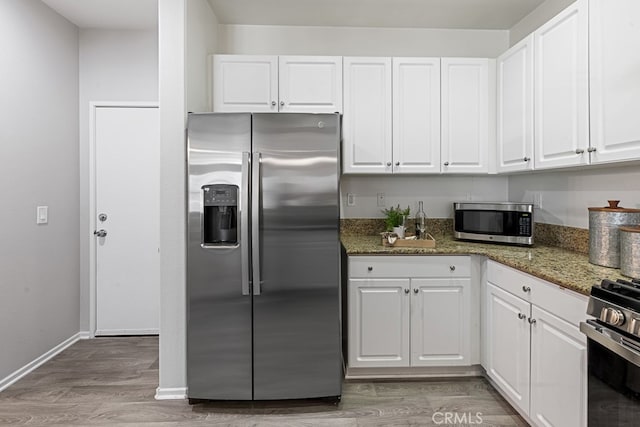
x,y
245,83
614,43
367,115
507,341
310,84
561,89
465,115
416,115
515,108
440,322
378,322
558,372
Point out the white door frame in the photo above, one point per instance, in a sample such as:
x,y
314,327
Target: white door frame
x,y
93,106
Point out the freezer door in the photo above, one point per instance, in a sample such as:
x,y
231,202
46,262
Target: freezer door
x,y
219,302
296,315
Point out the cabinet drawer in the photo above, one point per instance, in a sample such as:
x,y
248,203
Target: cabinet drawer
x,y
565,303
409,266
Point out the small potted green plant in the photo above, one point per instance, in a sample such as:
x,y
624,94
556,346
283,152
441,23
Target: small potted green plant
x,y
395,218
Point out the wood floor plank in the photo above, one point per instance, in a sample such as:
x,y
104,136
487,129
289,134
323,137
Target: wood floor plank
x,y
112,382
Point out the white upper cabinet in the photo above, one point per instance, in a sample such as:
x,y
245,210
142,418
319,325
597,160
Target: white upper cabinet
x,y
561,89
310,84
465,115
416,115
249,83
245,83
614,39
515,108
367,115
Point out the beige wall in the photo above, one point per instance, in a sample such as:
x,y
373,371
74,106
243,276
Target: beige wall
x,y
39,264
349,41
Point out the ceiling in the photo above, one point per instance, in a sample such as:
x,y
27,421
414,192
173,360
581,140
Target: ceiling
x,y
470,14
108,14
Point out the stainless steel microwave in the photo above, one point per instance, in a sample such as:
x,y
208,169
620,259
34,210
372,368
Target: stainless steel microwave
x,y
499,222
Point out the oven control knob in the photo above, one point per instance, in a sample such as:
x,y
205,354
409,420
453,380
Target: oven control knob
x,y
612,316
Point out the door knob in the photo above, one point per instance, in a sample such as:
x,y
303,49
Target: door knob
x,y
100,233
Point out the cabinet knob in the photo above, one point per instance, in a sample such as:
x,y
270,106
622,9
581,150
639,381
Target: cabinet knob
x,y
388,163
415,290
446,163
273,103
452,267
521,316
526,159
406,291
370,268
532,321
526,288
282,103
591,149
397,163
579,151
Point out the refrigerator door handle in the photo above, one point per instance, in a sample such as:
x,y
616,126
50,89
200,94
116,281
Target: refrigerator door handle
x,y
255,220
244,223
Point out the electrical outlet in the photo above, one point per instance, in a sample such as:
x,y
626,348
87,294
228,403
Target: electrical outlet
x,y
351,199
537,200
382,200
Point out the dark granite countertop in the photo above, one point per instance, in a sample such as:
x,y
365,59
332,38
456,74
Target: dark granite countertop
x,y
563,267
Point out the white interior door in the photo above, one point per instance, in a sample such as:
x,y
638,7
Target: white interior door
x,y
127,202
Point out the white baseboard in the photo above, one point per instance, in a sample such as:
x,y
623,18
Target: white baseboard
x,y
29,367
171,393
84,335
107,332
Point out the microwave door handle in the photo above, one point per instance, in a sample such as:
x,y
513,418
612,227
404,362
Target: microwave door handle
x,y
255,220
244,223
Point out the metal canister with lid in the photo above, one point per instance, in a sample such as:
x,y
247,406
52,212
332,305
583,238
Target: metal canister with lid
x,y
604,234
630,251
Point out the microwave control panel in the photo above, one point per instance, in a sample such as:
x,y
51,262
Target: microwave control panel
x,y
525,224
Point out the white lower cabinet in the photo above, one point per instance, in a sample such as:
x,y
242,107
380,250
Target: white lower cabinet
x,y
409,311
379,322
534,351
558,363
508,344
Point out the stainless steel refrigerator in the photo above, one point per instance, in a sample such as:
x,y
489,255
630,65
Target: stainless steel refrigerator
x,y
263,256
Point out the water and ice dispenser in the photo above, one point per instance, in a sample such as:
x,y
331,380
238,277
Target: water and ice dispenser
x,y
220,225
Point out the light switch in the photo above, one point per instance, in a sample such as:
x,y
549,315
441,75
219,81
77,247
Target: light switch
x,y
42,214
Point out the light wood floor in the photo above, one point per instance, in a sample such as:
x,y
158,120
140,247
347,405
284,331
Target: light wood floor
x,y
112,382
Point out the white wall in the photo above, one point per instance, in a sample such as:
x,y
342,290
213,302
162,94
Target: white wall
x,y
539,16
437,192
567,195
39,267
114,66
202,41
349,41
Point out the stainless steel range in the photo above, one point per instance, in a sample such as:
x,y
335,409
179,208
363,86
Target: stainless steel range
x,y
614,354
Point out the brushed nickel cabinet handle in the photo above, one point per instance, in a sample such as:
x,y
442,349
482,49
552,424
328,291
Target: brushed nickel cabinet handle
x,y
521,316
579,150
526,288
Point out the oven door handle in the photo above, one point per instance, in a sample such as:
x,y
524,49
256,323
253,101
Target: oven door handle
x,y
606,340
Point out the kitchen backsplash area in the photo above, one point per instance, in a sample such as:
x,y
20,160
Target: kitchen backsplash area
x,y
571,238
